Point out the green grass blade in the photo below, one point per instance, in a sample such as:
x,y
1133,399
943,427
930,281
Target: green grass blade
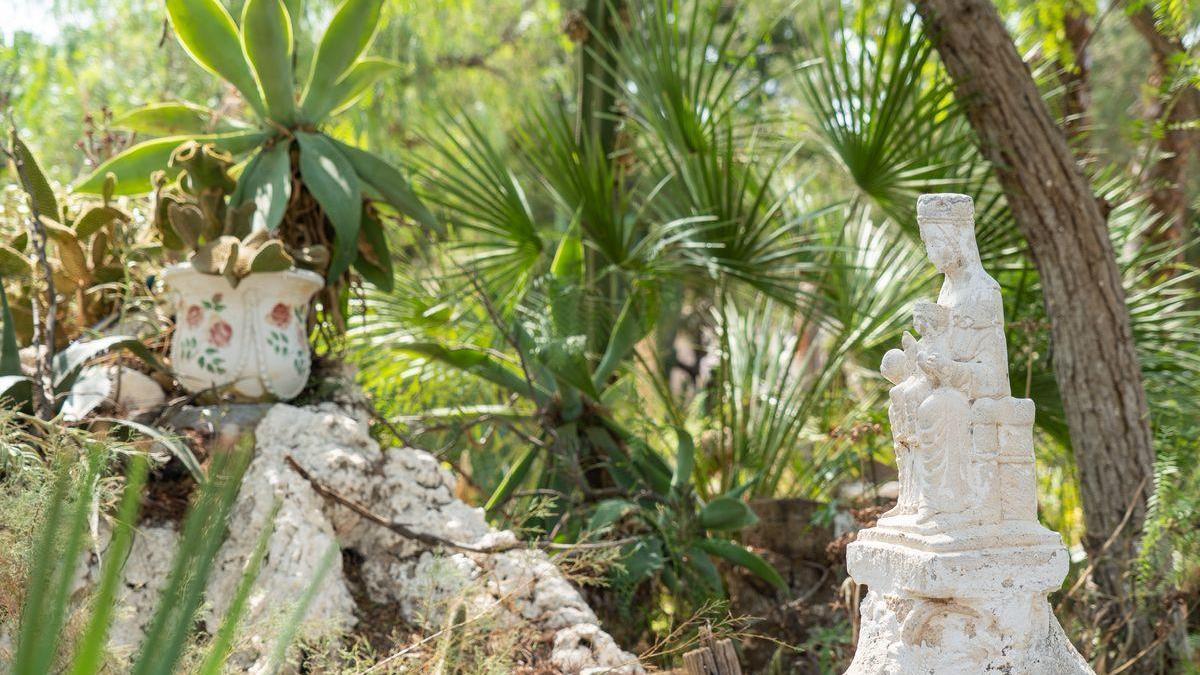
x,y
222,643
90,650
292,625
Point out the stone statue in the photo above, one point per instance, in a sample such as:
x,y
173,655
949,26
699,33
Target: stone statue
x,y
958,572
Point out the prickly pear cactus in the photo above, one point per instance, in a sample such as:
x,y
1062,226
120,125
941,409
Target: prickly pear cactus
x,y
196,217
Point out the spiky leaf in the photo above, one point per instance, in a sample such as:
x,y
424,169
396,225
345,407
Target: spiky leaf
x,y
348,34
268,184
267,40
133,167
171,119
10,358
374,261
390,183
355,83
209,35
332,181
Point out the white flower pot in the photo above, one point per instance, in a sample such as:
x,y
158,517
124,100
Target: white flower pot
x,y
251,341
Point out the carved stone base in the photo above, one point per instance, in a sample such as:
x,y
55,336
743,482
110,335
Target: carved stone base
x,y
974,611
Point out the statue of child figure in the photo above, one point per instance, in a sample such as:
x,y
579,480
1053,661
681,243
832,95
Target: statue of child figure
x,y
912,387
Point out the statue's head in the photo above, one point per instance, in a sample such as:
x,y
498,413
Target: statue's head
x,y
895,366
947,223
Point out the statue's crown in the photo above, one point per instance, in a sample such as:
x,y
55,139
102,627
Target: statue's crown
x,y
945,206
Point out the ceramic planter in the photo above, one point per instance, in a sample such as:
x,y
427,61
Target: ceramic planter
x,y
251,341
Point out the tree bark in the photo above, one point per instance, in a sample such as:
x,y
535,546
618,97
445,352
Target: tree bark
x,y
1095,360
1076,80
1165,179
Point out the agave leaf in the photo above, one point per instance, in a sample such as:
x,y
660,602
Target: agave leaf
x,y
172,119
636,320
267,183
97,218
33,180
334,184
134,166
267,39
743,557
374,261
209,35
685,456
354,84
390,183
348,34
512,479
10,357
67,363
16,391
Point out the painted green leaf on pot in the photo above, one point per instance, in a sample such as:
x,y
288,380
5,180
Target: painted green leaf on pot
x,y
374,261
334,184
209,35
267,182
172,119
390,183
348,34
267,40
133,167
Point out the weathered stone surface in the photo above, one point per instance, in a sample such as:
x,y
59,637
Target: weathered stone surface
x,y
514,586
959,572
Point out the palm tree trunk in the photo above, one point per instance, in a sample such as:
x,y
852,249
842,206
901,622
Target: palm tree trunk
x,y
1095,359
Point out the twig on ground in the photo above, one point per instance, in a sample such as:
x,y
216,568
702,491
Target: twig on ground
x,y
433,539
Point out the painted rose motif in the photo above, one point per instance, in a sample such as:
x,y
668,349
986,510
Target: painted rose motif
x,y
220,333
194,315
280,315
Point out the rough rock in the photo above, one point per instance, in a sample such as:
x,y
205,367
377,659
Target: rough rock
x,y
485,571
410,487
146,571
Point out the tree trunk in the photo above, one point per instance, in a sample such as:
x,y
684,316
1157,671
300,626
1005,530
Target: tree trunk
x,y
1076,80
1095,360
1165,179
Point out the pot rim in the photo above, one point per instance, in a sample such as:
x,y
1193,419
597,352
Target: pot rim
x,y
186,269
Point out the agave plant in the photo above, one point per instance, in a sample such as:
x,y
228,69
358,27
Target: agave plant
x,y
308,188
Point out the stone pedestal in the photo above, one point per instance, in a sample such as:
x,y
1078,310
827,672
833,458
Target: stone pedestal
x,y
958,574
977,611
